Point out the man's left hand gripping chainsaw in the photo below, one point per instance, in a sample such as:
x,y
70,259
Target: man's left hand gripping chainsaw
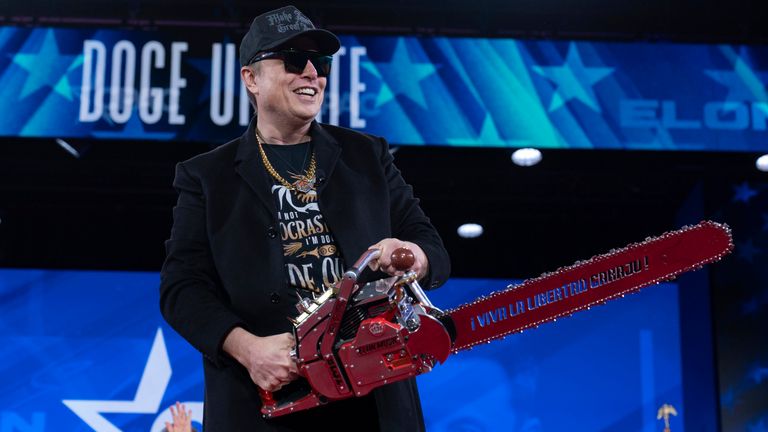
x,y
353,339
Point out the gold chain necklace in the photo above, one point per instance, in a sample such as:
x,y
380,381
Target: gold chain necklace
x,y
304,183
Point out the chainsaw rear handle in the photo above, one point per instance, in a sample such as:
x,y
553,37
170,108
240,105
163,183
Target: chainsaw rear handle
x,y
402,259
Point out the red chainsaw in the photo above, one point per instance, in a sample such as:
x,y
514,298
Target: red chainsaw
x,y
358,336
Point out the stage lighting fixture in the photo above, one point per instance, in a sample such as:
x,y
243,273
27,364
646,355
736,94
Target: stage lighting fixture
x,y
526,157
762,163
470,230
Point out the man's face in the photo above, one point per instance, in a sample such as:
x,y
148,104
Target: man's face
x,y
289,96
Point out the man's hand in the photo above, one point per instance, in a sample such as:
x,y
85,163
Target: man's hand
x,y
384,263
267,359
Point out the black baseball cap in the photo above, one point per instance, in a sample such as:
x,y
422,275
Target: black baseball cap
x,y
274,28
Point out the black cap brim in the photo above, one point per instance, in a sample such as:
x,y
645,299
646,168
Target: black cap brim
x,y
327,42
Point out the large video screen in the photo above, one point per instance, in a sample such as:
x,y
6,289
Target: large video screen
x,y
88,350
163,85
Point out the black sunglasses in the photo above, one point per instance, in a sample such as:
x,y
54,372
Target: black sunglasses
x,y
296,61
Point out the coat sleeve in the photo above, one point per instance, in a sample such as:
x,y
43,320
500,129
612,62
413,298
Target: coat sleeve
x,y
411,224
190,292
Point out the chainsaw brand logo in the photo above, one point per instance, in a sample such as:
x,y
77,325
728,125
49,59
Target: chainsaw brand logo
x,y
371,347
376,329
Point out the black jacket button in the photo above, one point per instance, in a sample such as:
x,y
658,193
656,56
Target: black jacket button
x,y
274,298
271,232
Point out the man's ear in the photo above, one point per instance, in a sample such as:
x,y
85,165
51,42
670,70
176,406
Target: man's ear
x,y
248,75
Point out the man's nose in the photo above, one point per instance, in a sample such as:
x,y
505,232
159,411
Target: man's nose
x,y
309,70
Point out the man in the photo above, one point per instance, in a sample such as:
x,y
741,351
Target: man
x,y
283,209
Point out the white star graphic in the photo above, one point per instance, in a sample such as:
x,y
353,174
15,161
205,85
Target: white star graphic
x,y
149,395
574,80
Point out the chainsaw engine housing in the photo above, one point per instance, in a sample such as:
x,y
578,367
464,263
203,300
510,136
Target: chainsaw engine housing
x,y
346,347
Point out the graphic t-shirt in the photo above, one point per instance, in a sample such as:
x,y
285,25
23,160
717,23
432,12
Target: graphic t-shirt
x,y
312,257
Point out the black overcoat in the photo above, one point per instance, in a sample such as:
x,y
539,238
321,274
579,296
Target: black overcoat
x,y
224,264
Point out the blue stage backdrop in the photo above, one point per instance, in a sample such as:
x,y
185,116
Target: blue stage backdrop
x,y
84,351
161,85
740,305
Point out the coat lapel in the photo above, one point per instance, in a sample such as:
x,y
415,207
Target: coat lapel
x,y
249,166
327,151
